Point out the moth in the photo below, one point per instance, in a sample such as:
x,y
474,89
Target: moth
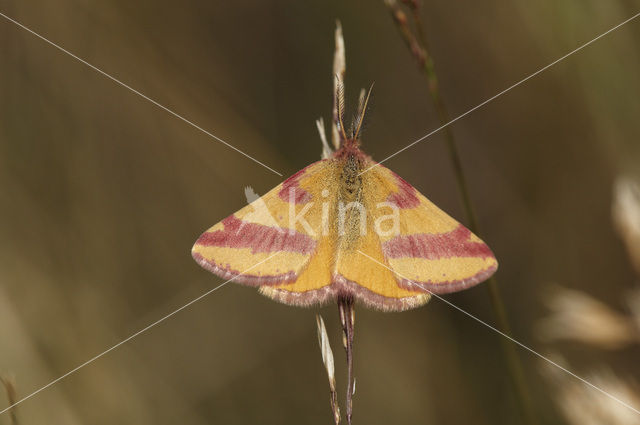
x,y
346,227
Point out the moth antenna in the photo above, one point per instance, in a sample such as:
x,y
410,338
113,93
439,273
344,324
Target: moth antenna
x,y
361,98
340,101
354,125
362,111
356,120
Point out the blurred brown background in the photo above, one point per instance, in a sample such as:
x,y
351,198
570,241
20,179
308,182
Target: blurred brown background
x,y
102,195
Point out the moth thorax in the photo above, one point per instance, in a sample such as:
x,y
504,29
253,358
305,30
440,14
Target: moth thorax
x,y
350,180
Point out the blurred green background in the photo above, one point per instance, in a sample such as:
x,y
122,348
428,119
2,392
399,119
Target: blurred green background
x,y
102,195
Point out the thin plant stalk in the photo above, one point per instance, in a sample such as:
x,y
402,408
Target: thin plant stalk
x,y
339,70
347,319
419,49
10,389
327,359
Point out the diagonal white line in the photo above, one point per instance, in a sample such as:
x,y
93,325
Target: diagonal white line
x,y
505,91
531,350
129,338
138,93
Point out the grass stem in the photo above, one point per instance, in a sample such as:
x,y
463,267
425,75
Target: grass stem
x,y
347,318
10,389
417,45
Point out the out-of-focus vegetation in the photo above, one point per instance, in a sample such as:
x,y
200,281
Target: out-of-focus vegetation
x,y
102,195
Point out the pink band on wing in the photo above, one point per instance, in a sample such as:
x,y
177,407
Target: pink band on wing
x,y
291,189
455,243
406,196
260,238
